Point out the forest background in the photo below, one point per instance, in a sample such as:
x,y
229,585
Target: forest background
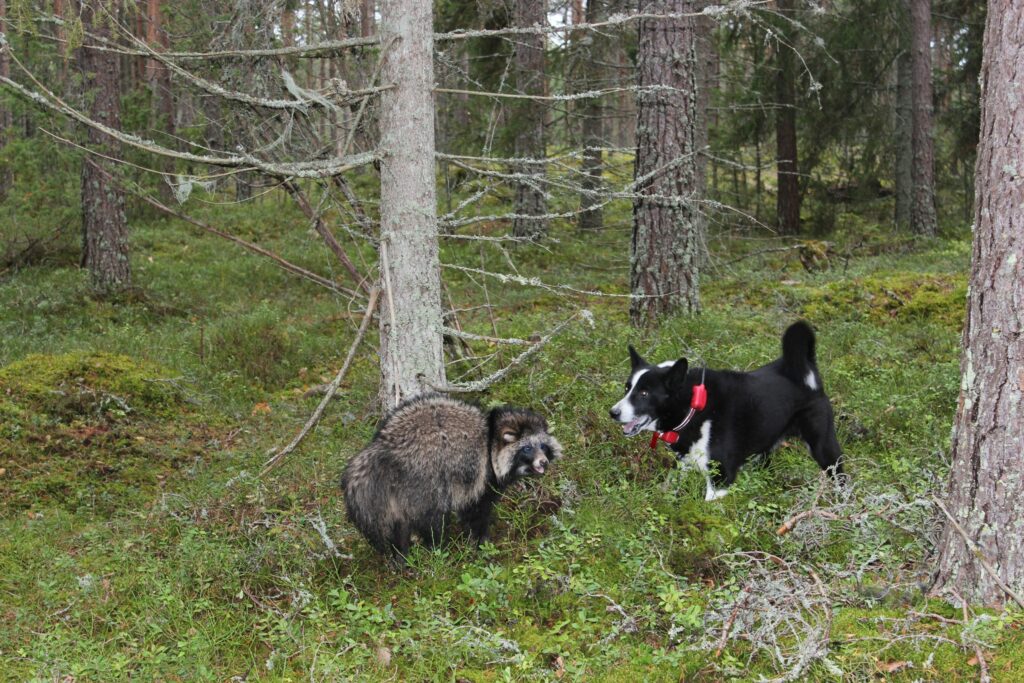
x,y
206,205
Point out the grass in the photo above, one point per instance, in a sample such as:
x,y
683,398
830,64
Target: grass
x,y
138,542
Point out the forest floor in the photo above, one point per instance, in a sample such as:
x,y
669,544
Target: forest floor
x,y
139,540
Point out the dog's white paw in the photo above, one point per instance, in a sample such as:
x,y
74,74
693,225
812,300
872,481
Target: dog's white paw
x,y
711,493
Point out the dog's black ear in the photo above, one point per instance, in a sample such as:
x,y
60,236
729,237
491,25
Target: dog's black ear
x,y
676,378
635,359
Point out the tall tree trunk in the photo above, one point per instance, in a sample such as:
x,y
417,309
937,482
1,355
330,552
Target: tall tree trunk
x,y
592,68
904,138
706,65
6,117
411,356
986,480
528,119
366,18
665,259
104,230
788,202
159,79
922,210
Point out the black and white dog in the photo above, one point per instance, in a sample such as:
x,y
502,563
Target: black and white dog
x,y
717,419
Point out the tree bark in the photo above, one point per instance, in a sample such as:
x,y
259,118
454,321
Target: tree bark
x,y
411,356
986,484
6,117
904,138
159,79
366,18
528,118
104,230
922,211
592,56
664,264
788,198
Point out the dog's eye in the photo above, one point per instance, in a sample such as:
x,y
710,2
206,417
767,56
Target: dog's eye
x,y
627,386
644,394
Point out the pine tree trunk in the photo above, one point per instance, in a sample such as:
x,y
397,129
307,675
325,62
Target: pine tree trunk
x,y
788,202
922,210
904,140
159,78
528,119
665,261
6,118
592,111
986,480
104,230
411,356
366,18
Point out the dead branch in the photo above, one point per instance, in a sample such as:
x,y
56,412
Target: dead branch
x,y
255,248
325,233
492,340
485,383
335,383
788,525
321,168
730,621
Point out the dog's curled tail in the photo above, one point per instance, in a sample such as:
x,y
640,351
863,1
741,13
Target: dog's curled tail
x,y
798,359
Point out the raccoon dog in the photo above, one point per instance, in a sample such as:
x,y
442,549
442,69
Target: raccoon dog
x,y
432,456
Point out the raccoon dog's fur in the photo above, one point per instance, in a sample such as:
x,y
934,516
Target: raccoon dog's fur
x,y
433,456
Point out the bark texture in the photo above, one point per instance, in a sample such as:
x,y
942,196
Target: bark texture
x,y
922,210
528,120
104,230
6,117
788,199
904,139
159,78
593,54
664,264
986,483
410,320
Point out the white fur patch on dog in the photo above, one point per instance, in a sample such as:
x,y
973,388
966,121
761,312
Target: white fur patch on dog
x,y
624,406
697,457
811,382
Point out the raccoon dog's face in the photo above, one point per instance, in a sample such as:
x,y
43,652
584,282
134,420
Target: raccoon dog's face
x,y
649,390
522,445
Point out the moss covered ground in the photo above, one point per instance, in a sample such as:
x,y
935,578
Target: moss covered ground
x,y
138,540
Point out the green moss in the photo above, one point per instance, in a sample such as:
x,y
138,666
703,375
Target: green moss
x,y
74,386
906,297
88,429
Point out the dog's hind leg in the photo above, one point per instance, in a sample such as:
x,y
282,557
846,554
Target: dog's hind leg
x,y
817,428
433,532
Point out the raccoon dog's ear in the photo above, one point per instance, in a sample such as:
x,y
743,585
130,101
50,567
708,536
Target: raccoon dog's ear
x,y
508,436
635,359
676,377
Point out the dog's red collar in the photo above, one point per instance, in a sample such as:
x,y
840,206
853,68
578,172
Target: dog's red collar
x,y
698,399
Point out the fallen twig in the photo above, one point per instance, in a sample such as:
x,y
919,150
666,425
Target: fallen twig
x,y
788,525
315,417
730,621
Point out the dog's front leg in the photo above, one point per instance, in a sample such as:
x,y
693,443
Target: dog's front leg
x,y
711,492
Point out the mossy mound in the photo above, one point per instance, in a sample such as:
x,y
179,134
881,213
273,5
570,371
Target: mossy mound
x,y
89,429
86,386
907,297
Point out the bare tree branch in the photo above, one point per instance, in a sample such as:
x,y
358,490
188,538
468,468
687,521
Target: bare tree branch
x,y
371,306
